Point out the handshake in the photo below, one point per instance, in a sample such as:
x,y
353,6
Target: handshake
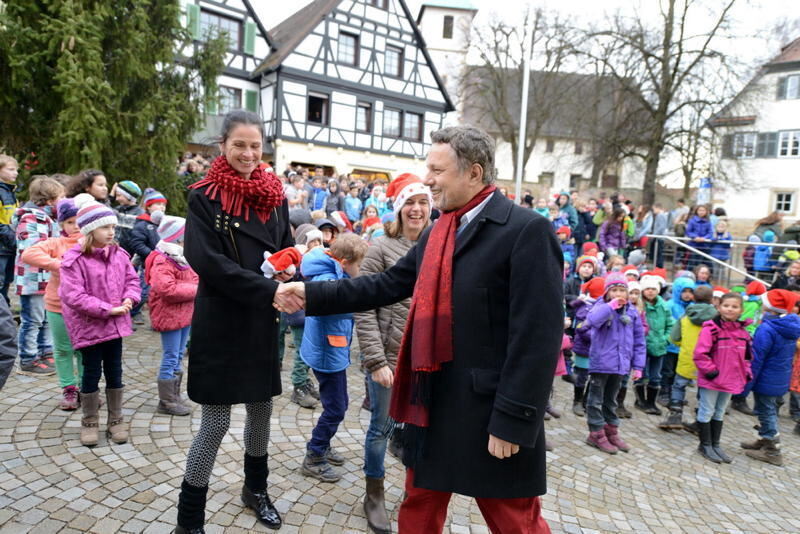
x,y
290,297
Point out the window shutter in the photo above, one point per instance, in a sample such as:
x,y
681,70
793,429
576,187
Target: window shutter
x,y
193,20
211,107
249,38
727,146
761,145
251,101
782,83
772,145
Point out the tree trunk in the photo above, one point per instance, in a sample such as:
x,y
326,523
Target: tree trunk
x,y
650,174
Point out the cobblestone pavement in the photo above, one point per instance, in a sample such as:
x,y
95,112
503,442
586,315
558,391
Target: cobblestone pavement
x,y
50,483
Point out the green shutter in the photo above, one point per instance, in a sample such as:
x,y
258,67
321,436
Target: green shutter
x,y
193,20
251,100
249,38
211,107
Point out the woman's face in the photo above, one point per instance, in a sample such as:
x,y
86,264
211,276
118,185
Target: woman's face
x,y
703,274
242,149
415,213
98,188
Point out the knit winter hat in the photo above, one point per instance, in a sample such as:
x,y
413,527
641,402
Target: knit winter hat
x,y
633,285
91,214
151,196
306,233
404,187
594,287
171,229
755,288
779,301
614,279
659,273
686,274
564,230
129,190
637,257
720,291
590,249
632,270
585,259
66,209
649,281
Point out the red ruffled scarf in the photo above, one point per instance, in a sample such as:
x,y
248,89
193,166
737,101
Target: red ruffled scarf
x,y
262,192
428,337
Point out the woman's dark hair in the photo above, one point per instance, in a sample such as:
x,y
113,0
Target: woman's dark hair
x,y
235,118
720,212
82,181
616,214
772,218
332,182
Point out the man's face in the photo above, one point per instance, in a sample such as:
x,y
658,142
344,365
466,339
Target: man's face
x,y
451,187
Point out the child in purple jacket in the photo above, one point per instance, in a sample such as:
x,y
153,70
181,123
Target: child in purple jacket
x,y
722,356
99,287
618,347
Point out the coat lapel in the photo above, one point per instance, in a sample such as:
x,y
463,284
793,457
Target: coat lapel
x,y
255,229
496,210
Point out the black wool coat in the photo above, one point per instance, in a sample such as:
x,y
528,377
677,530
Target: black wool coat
x,y
507,326
233,351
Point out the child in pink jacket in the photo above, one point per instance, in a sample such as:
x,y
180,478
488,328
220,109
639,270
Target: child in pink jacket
x,y
173,285
722,356
98,289
46,255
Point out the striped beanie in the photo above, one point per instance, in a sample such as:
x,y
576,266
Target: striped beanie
x,y
129,190
151,196
66,209
91,214
171,229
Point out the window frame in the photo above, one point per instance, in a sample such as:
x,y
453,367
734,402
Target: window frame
x,y
326,98
401,60
448,23
356,50
793,139
796,79
739,147
239,24
549,146
368,107
792,201
399,123
420,125
221,110
380,4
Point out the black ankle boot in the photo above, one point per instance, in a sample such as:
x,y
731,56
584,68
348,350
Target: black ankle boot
x,y
191,509
254,492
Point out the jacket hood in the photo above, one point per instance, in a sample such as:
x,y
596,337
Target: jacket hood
x,y
769,236
30,207
700,312
787,326
678,286
318,262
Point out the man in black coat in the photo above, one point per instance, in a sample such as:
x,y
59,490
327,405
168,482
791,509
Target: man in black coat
x,y
484,434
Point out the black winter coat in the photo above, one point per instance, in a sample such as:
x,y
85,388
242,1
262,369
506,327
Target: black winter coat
x,y
507,327
143,239
233,352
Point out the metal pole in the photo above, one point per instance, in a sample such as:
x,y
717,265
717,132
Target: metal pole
x,y
523,108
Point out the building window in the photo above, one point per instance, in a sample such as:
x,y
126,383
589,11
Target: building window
x,y
230,98
391,122
383,4
412,126
348,49
575,181
317,108
546,179
213,25
610,181
789,87
789,144
784,202
550,145
447,29
578,147
364,117
744,145
393,61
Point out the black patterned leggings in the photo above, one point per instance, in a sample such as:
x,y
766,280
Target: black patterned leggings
x,y
216,420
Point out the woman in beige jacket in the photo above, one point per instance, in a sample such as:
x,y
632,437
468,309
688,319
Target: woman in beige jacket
x,y
380,332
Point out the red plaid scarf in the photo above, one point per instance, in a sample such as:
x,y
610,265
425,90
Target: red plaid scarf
x,y
262,192
428,337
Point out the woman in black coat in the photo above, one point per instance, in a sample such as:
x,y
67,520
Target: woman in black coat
x,y
235,214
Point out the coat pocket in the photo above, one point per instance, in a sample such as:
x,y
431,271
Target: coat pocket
x,y
337,341
485,381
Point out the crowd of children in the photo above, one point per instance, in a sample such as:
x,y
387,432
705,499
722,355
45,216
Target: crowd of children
x,y
630,323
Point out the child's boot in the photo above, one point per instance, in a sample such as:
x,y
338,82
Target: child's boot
x,y
622,411
769,453
651,394
716,433
674,418
319,468
641,400
612,434
191,509
597,438
167,401
70,400
740,405
577,402
705,447
90,403
117,427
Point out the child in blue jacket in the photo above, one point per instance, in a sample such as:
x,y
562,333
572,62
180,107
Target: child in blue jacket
x,y
773,353
326,349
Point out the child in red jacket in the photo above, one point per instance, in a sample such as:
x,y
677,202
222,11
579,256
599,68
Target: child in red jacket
x,y
173,285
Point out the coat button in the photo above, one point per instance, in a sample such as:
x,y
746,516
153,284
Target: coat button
x,y
528,413
278,320
236,225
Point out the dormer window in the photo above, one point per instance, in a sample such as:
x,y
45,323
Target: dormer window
x,y
213,24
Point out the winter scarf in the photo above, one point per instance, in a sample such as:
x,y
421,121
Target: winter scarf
x,y
262,192
428,338
174,252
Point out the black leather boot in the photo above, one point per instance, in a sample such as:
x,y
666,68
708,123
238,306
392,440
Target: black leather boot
x,y
254,492
716,432
650,397
641,400
705,447
191,509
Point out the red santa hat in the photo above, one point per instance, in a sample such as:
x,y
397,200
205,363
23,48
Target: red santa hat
x,y
720,291
284,261
631,270
659,273
369,222
755,287
404,187
564,230
340,219
649,281
590,249
594,287
779,301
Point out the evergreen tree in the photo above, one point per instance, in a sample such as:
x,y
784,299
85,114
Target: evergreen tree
x,y
104,84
